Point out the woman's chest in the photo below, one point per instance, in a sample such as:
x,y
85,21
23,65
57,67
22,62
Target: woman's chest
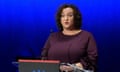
x,y
74,47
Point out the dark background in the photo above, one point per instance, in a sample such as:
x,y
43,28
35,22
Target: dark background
x,y
26,24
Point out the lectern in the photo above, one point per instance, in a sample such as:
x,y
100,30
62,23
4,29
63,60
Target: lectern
x,y
38,65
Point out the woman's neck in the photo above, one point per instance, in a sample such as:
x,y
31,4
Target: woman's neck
x,y
71,32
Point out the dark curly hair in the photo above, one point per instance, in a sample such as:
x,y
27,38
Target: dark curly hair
x,y
76,13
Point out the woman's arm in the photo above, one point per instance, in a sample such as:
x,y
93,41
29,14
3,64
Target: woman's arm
x,y
90,60
44,53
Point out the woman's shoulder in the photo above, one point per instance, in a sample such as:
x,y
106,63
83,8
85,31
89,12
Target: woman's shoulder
x,y
54,34
86,33
83,33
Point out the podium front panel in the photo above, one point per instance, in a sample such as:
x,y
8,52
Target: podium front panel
x,y
38,66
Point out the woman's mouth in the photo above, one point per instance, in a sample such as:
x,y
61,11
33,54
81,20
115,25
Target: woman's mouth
x,y
66,22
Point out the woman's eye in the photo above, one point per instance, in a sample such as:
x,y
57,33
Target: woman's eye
x,y
62,15
70,15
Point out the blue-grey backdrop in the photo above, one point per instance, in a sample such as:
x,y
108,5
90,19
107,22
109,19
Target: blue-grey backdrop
x,y
26,24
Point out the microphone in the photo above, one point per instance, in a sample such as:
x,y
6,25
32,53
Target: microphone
x,y
51,30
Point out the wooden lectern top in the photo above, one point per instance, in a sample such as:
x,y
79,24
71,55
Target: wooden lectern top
x,y
43,61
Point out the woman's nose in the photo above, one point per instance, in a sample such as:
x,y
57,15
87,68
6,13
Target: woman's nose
x,y
66,18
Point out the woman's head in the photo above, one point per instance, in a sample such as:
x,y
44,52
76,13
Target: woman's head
x,y
68,17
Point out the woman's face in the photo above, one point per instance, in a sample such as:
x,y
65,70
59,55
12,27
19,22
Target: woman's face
x,y
67,18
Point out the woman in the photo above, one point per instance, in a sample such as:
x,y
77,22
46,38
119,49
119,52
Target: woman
x,y
71,44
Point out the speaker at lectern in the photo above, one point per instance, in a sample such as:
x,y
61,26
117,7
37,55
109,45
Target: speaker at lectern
x,y
38,65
